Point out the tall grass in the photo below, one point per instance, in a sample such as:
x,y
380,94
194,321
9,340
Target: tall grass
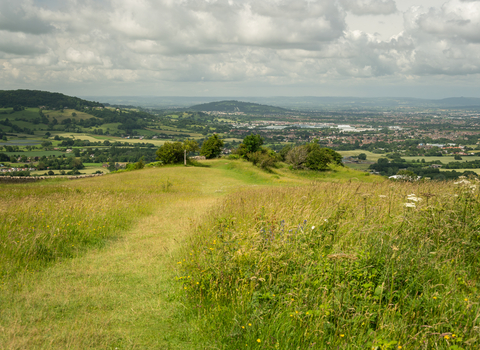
x,y
347,266
47,221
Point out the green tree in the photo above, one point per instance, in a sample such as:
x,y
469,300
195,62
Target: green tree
x,y
170,153
46,144
212,147
188,146
312,156
457,157
252,143
362,156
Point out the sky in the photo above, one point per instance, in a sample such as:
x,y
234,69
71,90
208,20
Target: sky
x,y
361,48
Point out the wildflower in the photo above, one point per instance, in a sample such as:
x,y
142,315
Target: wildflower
x,y
382,196
414,198
243,327
342,335
410,205
259,341
435,298
446,337
250,324
313,227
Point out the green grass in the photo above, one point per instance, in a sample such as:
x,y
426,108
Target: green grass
x,y
29,113
230,256
338,266
443,159
370,156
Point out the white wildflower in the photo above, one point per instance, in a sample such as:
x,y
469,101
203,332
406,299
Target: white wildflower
x,y
412,197
462,182
313,227
382,196
410,205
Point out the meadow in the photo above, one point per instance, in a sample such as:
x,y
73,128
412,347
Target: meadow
x,y
347,266
227,256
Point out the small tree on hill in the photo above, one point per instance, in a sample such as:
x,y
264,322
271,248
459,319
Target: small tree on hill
x,y
170,153
212,147
189,146
250,144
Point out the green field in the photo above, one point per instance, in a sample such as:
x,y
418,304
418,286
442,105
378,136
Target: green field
x,y
37,153
370,156
228,256
444,160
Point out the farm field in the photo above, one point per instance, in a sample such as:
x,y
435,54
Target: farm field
x,y
228,256
443,159
109,138
370,156
462,170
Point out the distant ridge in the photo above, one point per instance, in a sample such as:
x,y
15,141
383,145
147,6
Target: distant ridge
x,y
232,106
289,103
37,98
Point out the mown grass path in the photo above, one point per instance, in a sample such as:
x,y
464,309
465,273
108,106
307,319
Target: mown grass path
x,y
121,296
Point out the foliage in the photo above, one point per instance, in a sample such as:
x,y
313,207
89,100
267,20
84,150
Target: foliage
x,y
312,156
407,175
35,98
250,144
264,158
212,147
339,266
170,153
238,106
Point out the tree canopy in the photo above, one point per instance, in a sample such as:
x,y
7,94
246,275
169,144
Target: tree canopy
x,y
212,147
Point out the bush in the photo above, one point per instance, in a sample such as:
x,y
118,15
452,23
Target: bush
x,y
170,153
313,157
212,147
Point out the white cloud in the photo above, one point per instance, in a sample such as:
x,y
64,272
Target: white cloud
x,y
370,7
149,43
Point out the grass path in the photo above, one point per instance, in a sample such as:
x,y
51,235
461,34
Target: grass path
x,y
119,297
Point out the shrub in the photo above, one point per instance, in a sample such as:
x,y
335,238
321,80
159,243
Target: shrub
x,y
170,153
212,147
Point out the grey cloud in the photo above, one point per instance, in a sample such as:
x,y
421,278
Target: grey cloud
x,y
18,17
370,7
269,43
20,44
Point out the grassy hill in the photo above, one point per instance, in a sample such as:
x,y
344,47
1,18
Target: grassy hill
x,y
238,106
35,98
228,256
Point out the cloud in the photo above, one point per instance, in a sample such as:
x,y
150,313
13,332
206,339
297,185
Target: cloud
x,y
149,43
446,39
22,17
370,7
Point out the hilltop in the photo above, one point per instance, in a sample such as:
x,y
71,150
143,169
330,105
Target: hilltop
x,y
233,106
36,98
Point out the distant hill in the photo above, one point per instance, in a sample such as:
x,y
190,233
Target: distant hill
x,y
36,98
233,106
459,102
